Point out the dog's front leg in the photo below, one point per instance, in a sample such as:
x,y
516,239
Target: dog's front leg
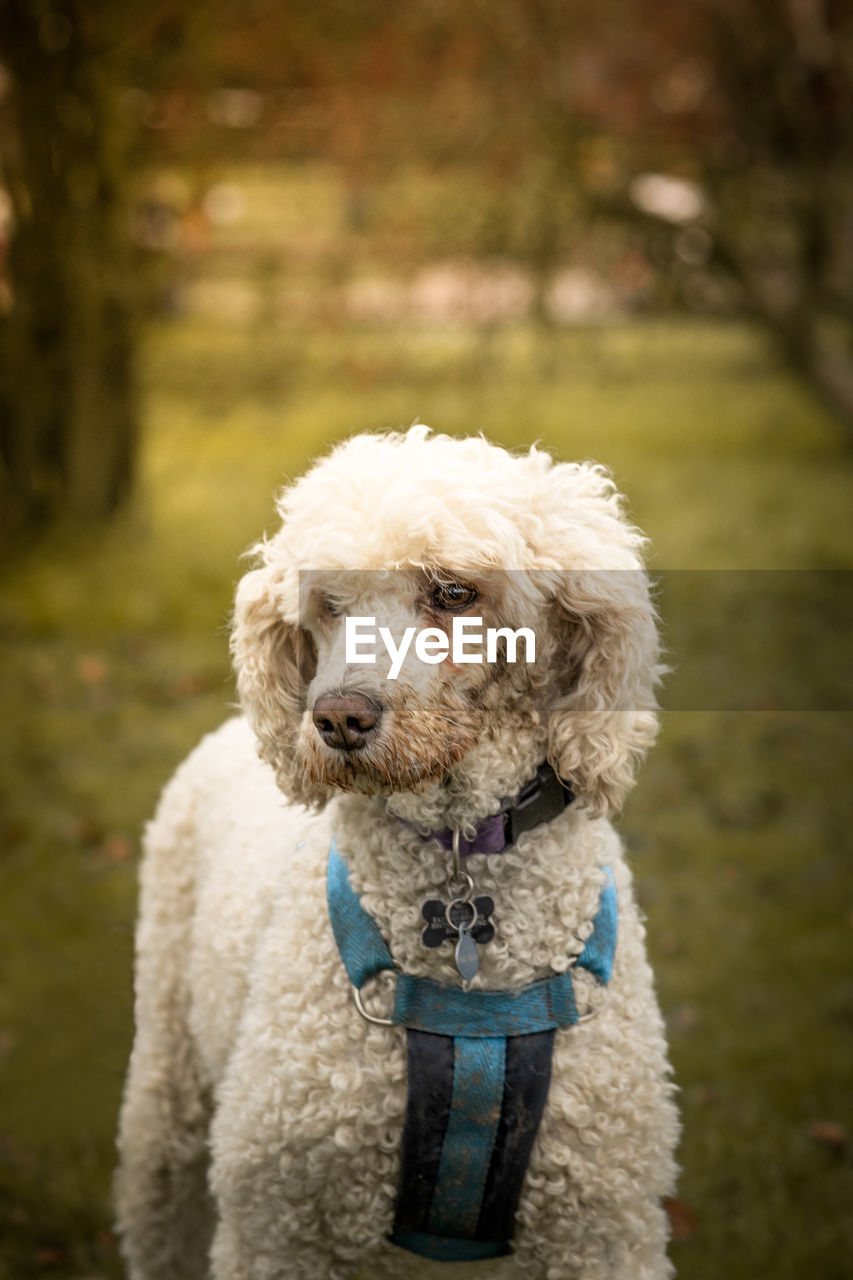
x,y
308,1110
273,1222
164,1208
234,1257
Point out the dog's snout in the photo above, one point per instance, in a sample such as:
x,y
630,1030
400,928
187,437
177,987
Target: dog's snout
x,y
344,720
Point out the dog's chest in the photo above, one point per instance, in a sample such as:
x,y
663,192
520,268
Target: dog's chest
x,y
340,1102
478,1069
539,909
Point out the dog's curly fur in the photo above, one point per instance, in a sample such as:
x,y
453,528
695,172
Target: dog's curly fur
x,y
260,1131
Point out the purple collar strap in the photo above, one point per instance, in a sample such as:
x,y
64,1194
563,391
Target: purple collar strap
x,y
541,799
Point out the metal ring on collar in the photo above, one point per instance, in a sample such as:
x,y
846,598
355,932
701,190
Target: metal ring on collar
x,y
461,878
456,835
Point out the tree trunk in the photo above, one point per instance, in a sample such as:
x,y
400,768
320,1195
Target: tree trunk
x,y
823,361
68,423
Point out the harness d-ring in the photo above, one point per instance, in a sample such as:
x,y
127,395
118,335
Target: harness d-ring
x,y
582,1017
369,1017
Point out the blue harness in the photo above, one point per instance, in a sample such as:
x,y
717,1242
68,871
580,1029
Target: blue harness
x,y
478,1070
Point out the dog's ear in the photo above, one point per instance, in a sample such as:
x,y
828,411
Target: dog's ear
x,y
274,660
604,661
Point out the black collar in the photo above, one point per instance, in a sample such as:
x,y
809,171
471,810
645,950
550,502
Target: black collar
x,y
540,800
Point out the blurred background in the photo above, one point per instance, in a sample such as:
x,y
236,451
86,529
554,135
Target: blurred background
x,y
233,233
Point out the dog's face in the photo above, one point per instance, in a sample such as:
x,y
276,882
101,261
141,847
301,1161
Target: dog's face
x,y
390,549
405,681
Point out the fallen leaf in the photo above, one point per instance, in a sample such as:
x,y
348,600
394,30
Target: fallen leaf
x,y
829,1133
684,1017
91,668
85,829
189,686
682,1220
117,848
48,1256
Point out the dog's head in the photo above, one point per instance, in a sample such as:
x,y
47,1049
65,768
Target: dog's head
x,y
391,547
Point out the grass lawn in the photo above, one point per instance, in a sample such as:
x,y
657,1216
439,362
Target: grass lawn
x,y
115,661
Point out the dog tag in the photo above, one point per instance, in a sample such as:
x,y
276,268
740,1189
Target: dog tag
x,y
439,928
467,960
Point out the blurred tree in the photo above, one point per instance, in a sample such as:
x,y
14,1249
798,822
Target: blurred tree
x,y
68,418
720,131
728,131
779,174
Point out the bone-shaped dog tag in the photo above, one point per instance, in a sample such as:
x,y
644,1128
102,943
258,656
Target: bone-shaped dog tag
x,y
439,929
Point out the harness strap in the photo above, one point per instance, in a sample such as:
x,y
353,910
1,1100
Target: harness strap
x,y
363,949
478,1070
429,1006
472,1116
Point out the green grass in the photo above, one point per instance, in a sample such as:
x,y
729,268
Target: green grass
x,y
115,661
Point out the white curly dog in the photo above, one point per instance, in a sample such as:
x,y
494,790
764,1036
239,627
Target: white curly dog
x,y
517,1120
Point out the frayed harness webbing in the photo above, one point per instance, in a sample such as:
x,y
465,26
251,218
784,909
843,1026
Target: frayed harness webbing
x,y
479,1066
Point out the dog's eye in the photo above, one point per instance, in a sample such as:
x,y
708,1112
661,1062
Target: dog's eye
x,y
331,607
453,595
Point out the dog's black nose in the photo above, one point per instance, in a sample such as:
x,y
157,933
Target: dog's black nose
x,y
344,720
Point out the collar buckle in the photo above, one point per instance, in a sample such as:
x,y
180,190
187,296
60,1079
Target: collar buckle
x,y
540,800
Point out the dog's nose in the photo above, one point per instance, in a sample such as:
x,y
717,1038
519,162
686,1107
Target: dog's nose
x,y
344,720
